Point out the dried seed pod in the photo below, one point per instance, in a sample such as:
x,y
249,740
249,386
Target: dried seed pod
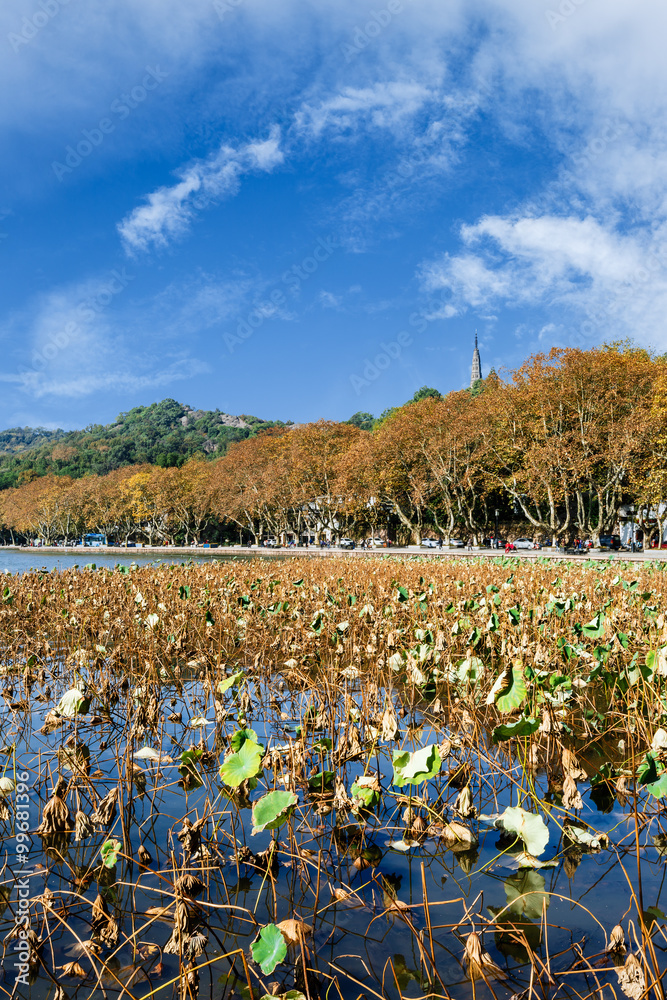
x,y
177,942
144,855
55,818
190,836
419,826
189,885
478,962
571,794
463,805
83,826
100,911
341,799
195,944
110,933
616,940
73,969
631,978
105,813
572,767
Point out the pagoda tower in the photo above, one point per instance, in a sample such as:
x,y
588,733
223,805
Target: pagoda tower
x,y
476,373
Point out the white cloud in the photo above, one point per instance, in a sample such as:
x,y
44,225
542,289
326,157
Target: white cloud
x,y
384,106
611,283
170,210
329,301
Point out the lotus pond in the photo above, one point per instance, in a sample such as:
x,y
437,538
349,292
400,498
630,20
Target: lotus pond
x,y
334,779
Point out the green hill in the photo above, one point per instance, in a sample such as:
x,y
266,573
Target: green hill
x,y
165,434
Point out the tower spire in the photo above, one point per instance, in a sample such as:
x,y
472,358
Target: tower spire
x,y
476,372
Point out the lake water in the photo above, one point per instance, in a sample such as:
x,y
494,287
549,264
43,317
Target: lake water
x,y
12,561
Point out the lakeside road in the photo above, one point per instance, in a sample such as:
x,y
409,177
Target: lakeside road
x,y
227,552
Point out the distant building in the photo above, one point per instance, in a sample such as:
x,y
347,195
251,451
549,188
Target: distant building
x,y
476,373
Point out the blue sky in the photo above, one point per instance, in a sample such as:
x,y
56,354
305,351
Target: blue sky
x,y
305,208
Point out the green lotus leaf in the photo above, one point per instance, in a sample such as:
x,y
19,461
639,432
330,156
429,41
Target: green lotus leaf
x,y
271,811
522,727
109,852
528,826
230,681
509,692
413,768
652,775
241,735
321,781
269,949
245,764
72,703
369,797
290,995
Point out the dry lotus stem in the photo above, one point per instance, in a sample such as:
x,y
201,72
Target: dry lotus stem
x,y
55,818
189,982
106,810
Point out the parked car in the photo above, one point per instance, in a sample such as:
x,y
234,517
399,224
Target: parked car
x,y
429,543
525,543
456,543
347,543
270,543
610,542
377,543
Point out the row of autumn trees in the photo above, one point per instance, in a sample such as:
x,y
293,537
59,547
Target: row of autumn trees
x,y
559,446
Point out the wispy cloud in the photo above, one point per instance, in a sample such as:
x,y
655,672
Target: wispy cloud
x,y
383,105
73,342
170,210
610,283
